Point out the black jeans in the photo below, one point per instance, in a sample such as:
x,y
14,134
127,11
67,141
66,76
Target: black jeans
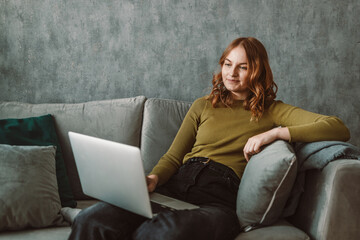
x,y
208,184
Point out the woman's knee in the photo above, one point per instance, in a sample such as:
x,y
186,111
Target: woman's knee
x,y
198,224
80,219
177,225
98,222
92,215
160,227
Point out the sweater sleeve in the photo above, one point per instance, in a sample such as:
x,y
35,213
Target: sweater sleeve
x,y
305,126
182,144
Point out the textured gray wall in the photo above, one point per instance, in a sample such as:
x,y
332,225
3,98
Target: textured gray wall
x,y
81,50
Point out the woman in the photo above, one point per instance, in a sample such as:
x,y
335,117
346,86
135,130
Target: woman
x,y
208,156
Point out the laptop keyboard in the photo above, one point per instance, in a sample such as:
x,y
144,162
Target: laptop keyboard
x,y
156,207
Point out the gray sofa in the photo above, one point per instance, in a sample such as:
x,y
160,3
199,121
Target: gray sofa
x,y
329,207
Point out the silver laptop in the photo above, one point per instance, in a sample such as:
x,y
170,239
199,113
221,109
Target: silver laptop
x,y
114,173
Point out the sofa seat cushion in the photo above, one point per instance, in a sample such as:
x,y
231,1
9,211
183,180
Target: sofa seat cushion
x,y
281,230
53,233
86,203
118,120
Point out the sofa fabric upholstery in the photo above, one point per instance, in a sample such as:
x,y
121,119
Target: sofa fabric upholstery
x,y
50,233
266,185
117,120
39,131
155,122
281,230
329,207
53,233
162,119
28,188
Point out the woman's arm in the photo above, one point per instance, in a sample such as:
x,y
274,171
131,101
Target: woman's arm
x,y
182,144
254,144
305,126
298,125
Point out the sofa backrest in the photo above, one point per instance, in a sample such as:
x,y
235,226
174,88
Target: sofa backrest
x,y
162,120
117,120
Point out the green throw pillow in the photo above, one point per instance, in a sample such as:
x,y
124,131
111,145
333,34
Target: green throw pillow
x,y
39,131
28,190
266,185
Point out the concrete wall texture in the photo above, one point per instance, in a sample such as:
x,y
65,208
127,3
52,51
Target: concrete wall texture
x,y
83,50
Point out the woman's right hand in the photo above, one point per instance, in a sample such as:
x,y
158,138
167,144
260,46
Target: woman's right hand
x,y
254,144
152,181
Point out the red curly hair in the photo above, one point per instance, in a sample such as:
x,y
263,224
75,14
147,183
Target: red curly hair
x,y
261,85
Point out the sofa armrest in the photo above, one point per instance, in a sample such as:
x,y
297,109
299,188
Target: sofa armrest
x,y
329,207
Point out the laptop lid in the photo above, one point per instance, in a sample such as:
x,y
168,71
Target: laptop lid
x,y
112,172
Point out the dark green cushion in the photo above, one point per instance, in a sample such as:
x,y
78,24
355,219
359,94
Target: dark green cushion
x,y
39,131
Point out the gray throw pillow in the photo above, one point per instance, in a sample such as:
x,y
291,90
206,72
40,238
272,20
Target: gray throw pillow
x,y
29,194
266,185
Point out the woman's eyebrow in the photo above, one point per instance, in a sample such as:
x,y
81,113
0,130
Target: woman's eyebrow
x,y
244,63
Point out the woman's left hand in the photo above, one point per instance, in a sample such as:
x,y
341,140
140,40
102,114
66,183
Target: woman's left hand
x,y
254,144
152,181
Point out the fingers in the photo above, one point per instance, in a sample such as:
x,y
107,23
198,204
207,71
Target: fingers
x,y
151,187
249,153
251,148
254,144
247,157
151,182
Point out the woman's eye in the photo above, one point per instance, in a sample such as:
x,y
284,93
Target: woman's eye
x,y
227,64
243,68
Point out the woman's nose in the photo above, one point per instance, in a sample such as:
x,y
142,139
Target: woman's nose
x,y
234,72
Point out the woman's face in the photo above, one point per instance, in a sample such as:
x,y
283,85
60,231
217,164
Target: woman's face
x,y
234,73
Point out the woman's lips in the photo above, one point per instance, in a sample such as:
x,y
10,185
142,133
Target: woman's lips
x,y
232,80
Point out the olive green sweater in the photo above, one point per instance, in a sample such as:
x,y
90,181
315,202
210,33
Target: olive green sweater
x,y
221,133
